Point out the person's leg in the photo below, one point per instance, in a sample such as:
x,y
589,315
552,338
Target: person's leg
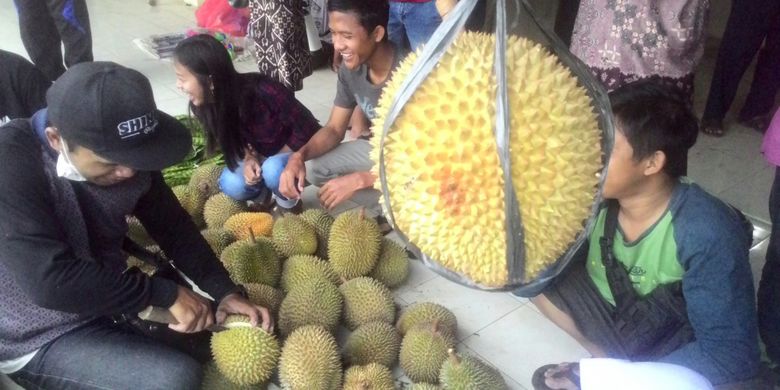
x,y
348,157
741,40
232,183
769,286
566,323
420,22
72,20
103,356
272,169
395,26
40,37
766,79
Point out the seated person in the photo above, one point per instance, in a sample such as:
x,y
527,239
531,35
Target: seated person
x,y
67,306
253,119
22,87
341,169
680,290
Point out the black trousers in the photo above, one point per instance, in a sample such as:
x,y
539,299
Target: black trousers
x,y
45,25
751,23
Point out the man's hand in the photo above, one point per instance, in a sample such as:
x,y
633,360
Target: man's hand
x,y
337,190
236,304
192,311
252,170
293,177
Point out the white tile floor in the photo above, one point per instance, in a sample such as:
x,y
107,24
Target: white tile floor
x,y
503,329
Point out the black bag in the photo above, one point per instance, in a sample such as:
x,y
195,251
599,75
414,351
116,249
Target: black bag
x,y
195,344
652,326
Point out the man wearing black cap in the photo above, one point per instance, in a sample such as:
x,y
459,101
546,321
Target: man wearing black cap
x,y
71,175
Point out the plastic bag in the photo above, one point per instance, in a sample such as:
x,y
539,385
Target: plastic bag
x,y
218,15
491,149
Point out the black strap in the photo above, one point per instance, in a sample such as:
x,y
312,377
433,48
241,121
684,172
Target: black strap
x,y
132,248
619,283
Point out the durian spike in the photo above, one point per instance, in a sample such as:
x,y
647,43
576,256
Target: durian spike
x,y
454,356
252,235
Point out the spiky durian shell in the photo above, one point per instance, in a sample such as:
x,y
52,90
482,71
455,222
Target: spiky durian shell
x,y
321,221
442,166
372,376
353,245
245,355
302,268
310,360
240,224
374,342
392,268
366,300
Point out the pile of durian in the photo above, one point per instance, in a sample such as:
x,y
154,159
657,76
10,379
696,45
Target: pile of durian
x,y
327,282
444,177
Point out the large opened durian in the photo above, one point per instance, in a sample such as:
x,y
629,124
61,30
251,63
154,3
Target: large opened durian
x,y
443,173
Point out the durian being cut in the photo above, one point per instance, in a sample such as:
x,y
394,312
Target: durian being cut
x,y
445,180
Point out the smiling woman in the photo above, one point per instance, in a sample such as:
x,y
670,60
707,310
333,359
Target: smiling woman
x,y
254,120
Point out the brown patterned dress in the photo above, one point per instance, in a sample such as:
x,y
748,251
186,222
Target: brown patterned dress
x,y
278,30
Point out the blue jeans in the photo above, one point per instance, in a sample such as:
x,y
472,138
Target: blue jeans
x,y
412,22
769,287
102,355
232,183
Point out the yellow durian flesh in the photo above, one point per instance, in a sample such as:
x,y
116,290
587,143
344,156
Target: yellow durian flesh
x,y
444,177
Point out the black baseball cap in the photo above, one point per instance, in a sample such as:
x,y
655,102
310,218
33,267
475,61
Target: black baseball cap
x,y
110,110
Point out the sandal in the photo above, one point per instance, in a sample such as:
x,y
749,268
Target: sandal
x,y
712,128
564,376
758,123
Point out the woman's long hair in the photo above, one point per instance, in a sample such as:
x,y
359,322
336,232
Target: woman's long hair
x,y
210,62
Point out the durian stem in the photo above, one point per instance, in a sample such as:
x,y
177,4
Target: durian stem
x,y
436,326
362,213
364,385
252,235
454,356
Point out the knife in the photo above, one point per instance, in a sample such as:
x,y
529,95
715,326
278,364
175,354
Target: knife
x,y
164,316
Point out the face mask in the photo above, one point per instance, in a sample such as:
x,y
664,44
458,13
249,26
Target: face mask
x,y
65,167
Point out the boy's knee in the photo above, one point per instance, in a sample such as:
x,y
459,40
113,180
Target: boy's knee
x,y
315,174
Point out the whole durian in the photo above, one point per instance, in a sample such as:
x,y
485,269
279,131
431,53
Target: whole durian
x,y
316,302
265,296
219,208
442,169
205,179
392,268
218,239
428,312
191,201
424,386
353,246
366,300
374,342
294,236
299,269
469,373
242,223
310,360
137,232
423,351
214,380
244,354
372,376
252,261
321,221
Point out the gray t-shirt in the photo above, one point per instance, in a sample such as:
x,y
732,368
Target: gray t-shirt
x,y
355,89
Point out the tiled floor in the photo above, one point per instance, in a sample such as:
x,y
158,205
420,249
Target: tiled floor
x,y
503,329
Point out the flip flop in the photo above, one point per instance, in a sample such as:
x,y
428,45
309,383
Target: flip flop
x,y
566,371
713,129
